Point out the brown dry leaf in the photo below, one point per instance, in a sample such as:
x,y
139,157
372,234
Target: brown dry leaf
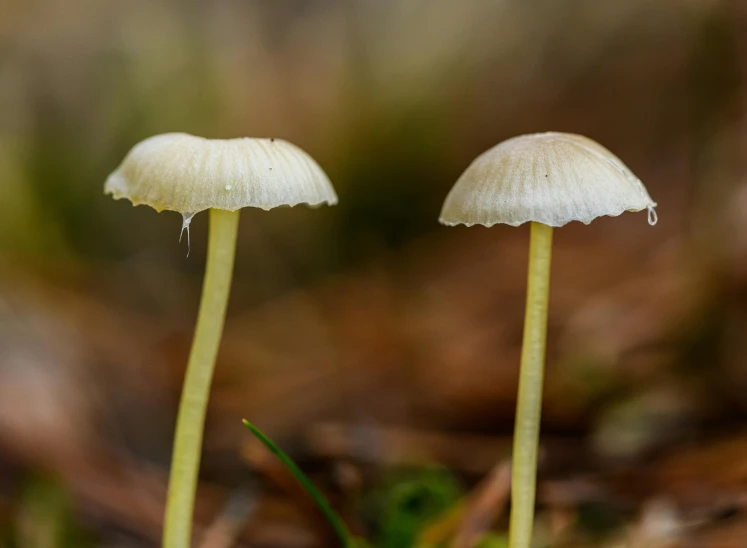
x,y
391,446
488,501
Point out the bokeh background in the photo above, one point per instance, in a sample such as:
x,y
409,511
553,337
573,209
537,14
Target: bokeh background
x,y
378,348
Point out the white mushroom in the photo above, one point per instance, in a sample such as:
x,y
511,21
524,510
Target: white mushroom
x,y
548,180
188,174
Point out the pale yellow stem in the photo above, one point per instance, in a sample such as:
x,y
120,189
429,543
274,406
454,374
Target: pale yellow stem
x,y
185,460
529,404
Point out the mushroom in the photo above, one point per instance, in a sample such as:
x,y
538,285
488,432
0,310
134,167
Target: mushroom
x,y
548,180
189,174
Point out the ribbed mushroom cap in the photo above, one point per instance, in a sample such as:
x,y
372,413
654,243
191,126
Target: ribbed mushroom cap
x,y
188,174
550,178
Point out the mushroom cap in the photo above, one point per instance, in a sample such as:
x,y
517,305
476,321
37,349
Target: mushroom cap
x,y
188,174
550,178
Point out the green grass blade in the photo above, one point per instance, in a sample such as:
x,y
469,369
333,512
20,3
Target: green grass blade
x,y
334,520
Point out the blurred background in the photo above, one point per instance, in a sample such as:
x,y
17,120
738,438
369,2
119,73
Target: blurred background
x,y
380,349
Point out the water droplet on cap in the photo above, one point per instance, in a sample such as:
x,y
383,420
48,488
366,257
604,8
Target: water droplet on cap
x,y
186,220
653,218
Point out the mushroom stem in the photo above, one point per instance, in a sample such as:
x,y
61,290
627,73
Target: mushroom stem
x,y
185,460
529,404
